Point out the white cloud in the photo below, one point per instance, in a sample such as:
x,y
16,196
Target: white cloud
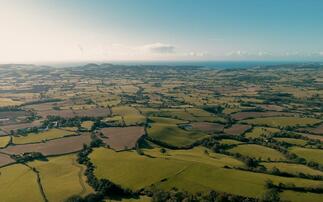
x,y
159,48
321,53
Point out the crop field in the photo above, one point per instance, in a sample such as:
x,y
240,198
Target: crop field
x,y
122,138
208,127
41,137
65,172
5,160
309,154
283,121
53,147
237,129
258,151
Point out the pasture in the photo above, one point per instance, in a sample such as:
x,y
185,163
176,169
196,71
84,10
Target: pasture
x,y
308,154
258,152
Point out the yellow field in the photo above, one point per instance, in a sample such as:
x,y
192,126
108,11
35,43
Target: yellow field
x,y
19,183
87,124
62,177
4,102
4,141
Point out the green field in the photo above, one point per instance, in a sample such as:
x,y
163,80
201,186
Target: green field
x,y
42,136
191,170
308,154
283,121
166,130
145,171
293,141
62,177
4,141
19,183
258,151
301,196
292,168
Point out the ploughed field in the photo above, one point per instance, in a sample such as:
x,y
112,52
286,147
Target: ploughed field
x,y
161,133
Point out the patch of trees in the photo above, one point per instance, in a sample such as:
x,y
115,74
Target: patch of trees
x,y
10,109
211,196
42,101
26,157
290,186
215,109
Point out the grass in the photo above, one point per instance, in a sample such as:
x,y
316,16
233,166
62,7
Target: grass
x,y
145,171
62,177
293,141
190,170
292,168
258,151
4,141
259,132
300,196
173,135
19,183
283,121
308,154
42,136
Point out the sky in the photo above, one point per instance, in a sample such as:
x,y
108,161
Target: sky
x,y
160,30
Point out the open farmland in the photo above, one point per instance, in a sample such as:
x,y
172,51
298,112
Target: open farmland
x,y
161,131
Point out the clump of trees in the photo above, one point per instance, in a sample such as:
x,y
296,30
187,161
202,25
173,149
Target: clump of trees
x,y
26,157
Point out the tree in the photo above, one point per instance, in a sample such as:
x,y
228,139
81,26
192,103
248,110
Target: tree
x,y
271,195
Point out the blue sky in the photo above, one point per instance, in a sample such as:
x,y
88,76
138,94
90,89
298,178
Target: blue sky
x,y
114,30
